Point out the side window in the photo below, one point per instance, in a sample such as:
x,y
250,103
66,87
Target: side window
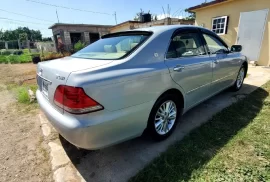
x,y
214,45
185,45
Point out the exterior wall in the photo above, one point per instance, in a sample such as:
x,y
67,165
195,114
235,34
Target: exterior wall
x,y
86,37
46,46
65,30
67,40
166,21
233,9
125,26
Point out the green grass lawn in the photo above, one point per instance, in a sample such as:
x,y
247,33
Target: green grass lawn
x,y
233,146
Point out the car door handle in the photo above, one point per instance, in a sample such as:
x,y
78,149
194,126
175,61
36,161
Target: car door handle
x,y
216,61
178,68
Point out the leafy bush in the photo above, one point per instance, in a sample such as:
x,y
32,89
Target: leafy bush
x,y
17,52
26,51
25,58
34,55
78,46
53,55
3,59
5,52
13,59
22,95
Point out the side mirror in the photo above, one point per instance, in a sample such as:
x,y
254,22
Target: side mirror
x,y
236,48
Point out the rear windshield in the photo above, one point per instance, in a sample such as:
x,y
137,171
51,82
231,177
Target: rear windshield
x,y
113,46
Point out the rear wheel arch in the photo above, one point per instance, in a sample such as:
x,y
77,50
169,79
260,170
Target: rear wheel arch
x,y
172,94
175,92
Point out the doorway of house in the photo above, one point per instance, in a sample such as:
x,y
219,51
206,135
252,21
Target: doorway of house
x,y
93,37
251,31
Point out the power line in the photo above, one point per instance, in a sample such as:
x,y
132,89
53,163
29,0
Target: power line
x,y
64,7
25,15
3,18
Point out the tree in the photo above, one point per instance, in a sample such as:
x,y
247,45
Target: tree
x,y
46,39
23,36
191,15
19,33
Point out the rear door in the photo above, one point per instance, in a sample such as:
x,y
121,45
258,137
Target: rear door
x,y
189,64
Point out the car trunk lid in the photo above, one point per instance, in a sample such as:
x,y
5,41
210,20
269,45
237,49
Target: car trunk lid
x,y
53,73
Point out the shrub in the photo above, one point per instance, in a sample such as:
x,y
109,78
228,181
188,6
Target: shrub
x,y
17,52
78,46
5,52
34,55
22,95
13,59
3,59
54,55
65,54
25,58
26,51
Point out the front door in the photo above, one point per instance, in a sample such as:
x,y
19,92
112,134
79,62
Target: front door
x,y
224,67
251,31
189,65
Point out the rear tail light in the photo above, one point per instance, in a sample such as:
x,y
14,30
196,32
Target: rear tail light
x,y
74,100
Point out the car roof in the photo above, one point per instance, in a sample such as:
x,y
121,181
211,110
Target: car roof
x,y
163,28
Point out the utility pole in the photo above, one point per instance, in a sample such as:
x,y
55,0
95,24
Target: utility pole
x,y
57,16
115,18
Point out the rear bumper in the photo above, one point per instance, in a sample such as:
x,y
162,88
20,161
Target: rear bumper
x,y
99,129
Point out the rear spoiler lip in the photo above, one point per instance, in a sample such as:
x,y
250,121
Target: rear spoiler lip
x,y
135,32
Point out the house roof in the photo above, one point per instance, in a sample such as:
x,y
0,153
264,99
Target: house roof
x,y
84,25
204,5
126,22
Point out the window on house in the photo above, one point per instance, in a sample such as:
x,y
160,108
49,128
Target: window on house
x,y
220,24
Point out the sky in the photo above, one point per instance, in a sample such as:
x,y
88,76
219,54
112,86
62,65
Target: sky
x,y
46,15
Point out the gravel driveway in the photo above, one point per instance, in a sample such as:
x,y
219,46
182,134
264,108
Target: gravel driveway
x,y
23,154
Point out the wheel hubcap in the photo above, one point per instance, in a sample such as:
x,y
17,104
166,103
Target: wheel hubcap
x,y
165,117
240,78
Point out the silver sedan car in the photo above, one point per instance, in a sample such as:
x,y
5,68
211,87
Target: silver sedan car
x,y
135,81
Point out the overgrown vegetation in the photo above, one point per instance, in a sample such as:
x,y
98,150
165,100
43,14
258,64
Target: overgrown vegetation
x,y
79,45
24,56
53,55
233,146
21,33
21,92
16,56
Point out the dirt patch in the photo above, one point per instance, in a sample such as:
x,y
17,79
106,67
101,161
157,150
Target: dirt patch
x,y
24,155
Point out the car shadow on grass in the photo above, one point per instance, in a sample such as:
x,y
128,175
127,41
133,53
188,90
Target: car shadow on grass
x,y
188,148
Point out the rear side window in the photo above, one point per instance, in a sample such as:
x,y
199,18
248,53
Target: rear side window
x,y
185,45
113,47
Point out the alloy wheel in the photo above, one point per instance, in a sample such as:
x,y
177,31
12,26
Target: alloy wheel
x,y
165,117
240,78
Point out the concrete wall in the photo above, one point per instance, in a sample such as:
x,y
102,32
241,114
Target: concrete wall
x,y
166,21
46,46
233,9
65,30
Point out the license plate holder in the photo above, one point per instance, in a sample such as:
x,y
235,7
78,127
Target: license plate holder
x,y
45,85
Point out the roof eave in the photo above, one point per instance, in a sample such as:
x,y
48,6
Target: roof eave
x,y
208,5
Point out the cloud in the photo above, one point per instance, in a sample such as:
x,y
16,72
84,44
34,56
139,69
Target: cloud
x,y
162,16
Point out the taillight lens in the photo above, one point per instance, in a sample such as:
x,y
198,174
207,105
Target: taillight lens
x,y
75,100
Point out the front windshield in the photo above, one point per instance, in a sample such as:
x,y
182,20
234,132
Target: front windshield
x,y
112,47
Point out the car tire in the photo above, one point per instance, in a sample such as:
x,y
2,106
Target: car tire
x,y
168,120
240,79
